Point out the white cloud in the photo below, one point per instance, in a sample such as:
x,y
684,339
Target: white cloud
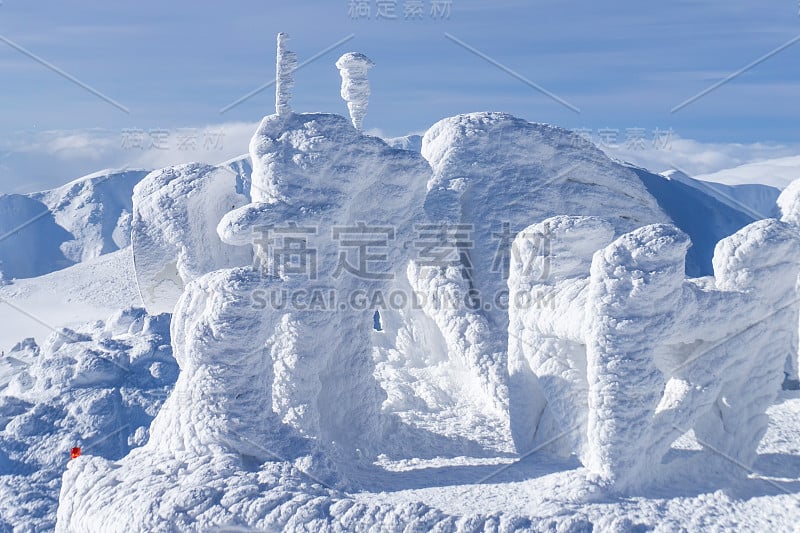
x,y
42,160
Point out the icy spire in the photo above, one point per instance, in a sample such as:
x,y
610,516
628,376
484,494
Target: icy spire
x,y
284,80
353,67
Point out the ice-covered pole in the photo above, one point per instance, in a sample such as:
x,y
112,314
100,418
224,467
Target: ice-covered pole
x,y
284,76
353,67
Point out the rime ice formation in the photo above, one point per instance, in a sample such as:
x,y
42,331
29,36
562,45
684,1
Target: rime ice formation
x,y
284,76
176,212
377,194
354,68
579,333
493,174
632,354
261,380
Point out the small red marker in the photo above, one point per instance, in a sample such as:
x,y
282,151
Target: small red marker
x,y
76,452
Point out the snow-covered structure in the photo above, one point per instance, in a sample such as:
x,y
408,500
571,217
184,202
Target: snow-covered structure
x,y
354,67
340,217
633,354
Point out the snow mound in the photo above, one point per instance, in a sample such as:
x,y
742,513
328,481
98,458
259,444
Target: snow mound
x,y
175,214
97,387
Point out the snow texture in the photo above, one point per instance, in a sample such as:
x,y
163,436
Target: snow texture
x,y
96,210
493,174
789,206
299,179
284,76
354,67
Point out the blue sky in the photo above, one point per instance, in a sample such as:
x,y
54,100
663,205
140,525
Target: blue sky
x,y
624,64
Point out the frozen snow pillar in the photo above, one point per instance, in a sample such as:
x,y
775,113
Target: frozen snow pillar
x,y
284,76
353,68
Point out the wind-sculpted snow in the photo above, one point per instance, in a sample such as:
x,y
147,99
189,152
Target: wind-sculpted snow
x,y
492,175
218,455
315,177
97,387
298,407
354,67
633,355
176,212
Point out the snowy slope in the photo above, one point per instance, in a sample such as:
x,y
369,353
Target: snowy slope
x,y
92,290
96,210
753,199
32,240
96,387
701,213
407,142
